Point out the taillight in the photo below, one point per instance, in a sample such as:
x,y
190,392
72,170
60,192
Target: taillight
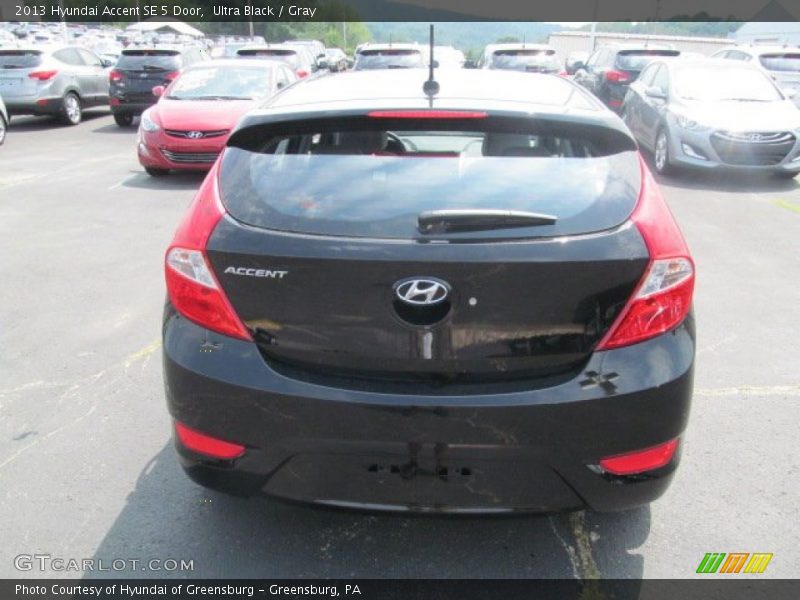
x,y
426,114
205,444
114,76
302,73
191,284
563,74
171,76
663,298
640,461
617,77
43,75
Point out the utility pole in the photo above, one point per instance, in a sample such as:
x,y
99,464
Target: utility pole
x,y
64,33
593,35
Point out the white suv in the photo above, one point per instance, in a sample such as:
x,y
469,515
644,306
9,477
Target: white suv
x,y
782,63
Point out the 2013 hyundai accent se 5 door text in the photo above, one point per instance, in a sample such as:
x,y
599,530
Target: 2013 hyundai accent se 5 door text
x,y
473,301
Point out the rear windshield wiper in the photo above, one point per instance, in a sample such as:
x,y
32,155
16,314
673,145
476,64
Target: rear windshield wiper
x,y
455,220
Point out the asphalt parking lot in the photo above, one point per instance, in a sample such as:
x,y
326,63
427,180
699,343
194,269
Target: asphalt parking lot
x,y
86,464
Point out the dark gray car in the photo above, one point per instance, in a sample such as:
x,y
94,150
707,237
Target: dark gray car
x,y
55,80
713,113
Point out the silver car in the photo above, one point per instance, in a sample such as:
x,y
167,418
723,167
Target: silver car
x,y
713,113
58,81
781,62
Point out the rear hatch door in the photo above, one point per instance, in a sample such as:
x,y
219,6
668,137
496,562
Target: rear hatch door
x,y
142,70
632,62
15,68
475,251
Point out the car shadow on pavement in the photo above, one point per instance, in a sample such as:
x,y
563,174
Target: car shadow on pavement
x,y
114,128
32,123
167,516
725,180
181,180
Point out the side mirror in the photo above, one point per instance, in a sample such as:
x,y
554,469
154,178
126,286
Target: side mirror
x,y
158,91
655,92
321,55
578,64
106,62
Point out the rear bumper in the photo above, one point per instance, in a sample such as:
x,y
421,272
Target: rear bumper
x,y
518,451
120,107
34,105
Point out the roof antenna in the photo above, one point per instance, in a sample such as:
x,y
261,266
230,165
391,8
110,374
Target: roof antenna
x,y
431,86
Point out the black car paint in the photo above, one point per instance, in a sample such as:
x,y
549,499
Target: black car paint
x,y
476,438
505,448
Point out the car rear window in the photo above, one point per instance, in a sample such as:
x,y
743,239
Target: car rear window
x,y
636,60
525,60
288,56
136,60
389,59
20,59
781,62
370,178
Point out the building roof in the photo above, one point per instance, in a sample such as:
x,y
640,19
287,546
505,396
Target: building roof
x,y
166,25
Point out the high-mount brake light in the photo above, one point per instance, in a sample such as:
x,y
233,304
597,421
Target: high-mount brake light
x,y
191,284
663,298
207,445
426,114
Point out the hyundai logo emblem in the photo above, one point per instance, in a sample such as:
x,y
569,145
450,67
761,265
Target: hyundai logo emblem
x,y
755,137
422,291
194,135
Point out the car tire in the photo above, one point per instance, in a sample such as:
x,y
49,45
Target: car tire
x,y
3,130
661,160
123,119
72,113
155,172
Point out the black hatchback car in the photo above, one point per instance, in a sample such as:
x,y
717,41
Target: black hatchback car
x,y
138,71
609,71
471,301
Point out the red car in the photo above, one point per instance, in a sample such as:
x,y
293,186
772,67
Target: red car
x,y
189,125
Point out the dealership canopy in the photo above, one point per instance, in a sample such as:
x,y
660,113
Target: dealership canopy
x,y
178,27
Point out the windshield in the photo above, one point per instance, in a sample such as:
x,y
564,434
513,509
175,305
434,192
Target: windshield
x,y
389,59
375,183
222,83
525,60
636,60
781,62
710,84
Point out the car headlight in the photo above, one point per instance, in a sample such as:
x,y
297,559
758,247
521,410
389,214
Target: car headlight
x,y
147,124
686,123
